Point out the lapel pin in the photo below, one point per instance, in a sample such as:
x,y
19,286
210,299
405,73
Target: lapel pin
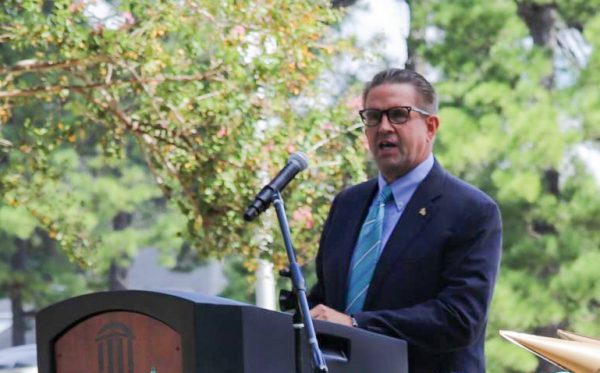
x,y
423,211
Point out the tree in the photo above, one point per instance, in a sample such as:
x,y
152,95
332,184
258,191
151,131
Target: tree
x,y
69,186
210,93
516,105
34,273
103,195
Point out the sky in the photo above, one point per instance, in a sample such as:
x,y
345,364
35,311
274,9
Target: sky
x,y
378,25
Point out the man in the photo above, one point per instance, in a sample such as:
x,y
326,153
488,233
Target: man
x,y
413,253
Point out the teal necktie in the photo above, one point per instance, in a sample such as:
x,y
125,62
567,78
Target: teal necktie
x,y
366,253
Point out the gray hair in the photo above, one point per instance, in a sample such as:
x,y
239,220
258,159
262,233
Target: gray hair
x,y
426,93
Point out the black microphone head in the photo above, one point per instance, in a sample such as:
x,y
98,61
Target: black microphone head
x,y
296,163
251,213
300,159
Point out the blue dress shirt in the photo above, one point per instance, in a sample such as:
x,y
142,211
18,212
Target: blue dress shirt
x,y
403,190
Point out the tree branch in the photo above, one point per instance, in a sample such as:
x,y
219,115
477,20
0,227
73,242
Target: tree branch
x,y
143,144
86,87
112,106
153,99
327,140
173,172
33,65
126,122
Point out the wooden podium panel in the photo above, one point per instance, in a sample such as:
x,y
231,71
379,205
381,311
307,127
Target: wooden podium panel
x,y
119,342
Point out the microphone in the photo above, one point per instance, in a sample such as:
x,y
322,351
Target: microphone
x,y
296,163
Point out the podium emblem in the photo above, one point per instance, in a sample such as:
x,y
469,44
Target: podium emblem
x,y
114,344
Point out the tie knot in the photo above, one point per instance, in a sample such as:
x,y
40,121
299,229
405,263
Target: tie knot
x,y
386,195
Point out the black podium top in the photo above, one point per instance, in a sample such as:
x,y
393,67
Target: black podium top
x,y
129,331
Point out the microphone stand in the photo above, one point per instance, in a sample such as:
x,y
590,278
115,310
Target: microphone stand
x,y
299,289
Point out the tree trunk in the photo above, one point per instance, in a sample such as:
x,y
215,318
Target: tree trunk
x,y
18,317
19,326
265,285
117,275
416,35
342,3
541,20
265,280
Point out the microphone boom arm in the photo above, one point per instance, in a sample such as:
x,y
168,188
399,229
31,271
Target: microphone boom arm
x,y
299,287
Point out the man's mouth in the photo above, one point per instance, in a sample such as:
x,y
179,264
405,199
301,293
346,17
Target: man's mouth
x,y
386,145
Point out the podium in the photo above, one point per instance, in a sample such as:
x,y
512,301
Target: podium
x,y
134,331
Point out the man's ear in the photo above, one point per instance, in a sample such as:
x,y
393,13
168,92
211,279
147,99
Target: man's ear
x,y
433,123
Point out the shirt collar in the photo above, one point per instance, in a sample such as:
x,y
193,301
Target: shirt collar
x,y
409,181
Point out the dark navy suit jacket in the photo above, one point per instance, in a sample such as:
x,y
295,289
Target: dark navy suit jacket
x,y
434,280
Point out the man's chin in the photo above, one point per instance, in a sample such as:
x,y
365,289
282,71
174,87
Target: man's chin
x,y
391,170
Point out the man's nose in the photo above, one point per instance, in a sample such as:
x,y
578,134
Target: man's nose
x,y
385,124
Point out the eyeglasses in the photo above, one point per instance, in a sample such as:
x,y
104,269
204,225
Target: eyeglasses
x,y
395,115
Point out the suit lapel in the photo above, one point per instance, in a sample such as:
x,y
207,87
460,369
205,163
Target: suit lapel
x,y
417,214
355,211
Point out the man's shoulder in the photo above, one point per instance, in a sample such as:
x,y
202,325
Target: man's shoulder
x,y
461,195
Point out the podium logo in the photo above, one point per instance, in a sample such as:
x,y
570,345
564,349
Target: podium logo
x,y
114,343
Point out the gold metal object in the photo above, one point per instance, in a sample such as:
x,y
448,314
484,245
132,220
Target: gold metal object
x,y
575,356
577,337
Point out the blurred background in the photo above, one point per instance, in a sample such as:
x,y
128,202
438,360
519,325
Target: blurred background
x,y
134,133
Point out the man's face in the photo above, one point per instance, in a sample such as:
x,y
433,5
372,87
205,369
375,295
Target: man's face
x,y
398,148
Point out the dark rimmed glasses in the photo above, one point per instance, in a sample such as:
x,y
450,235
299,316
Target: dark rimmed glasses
x,y
395,115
